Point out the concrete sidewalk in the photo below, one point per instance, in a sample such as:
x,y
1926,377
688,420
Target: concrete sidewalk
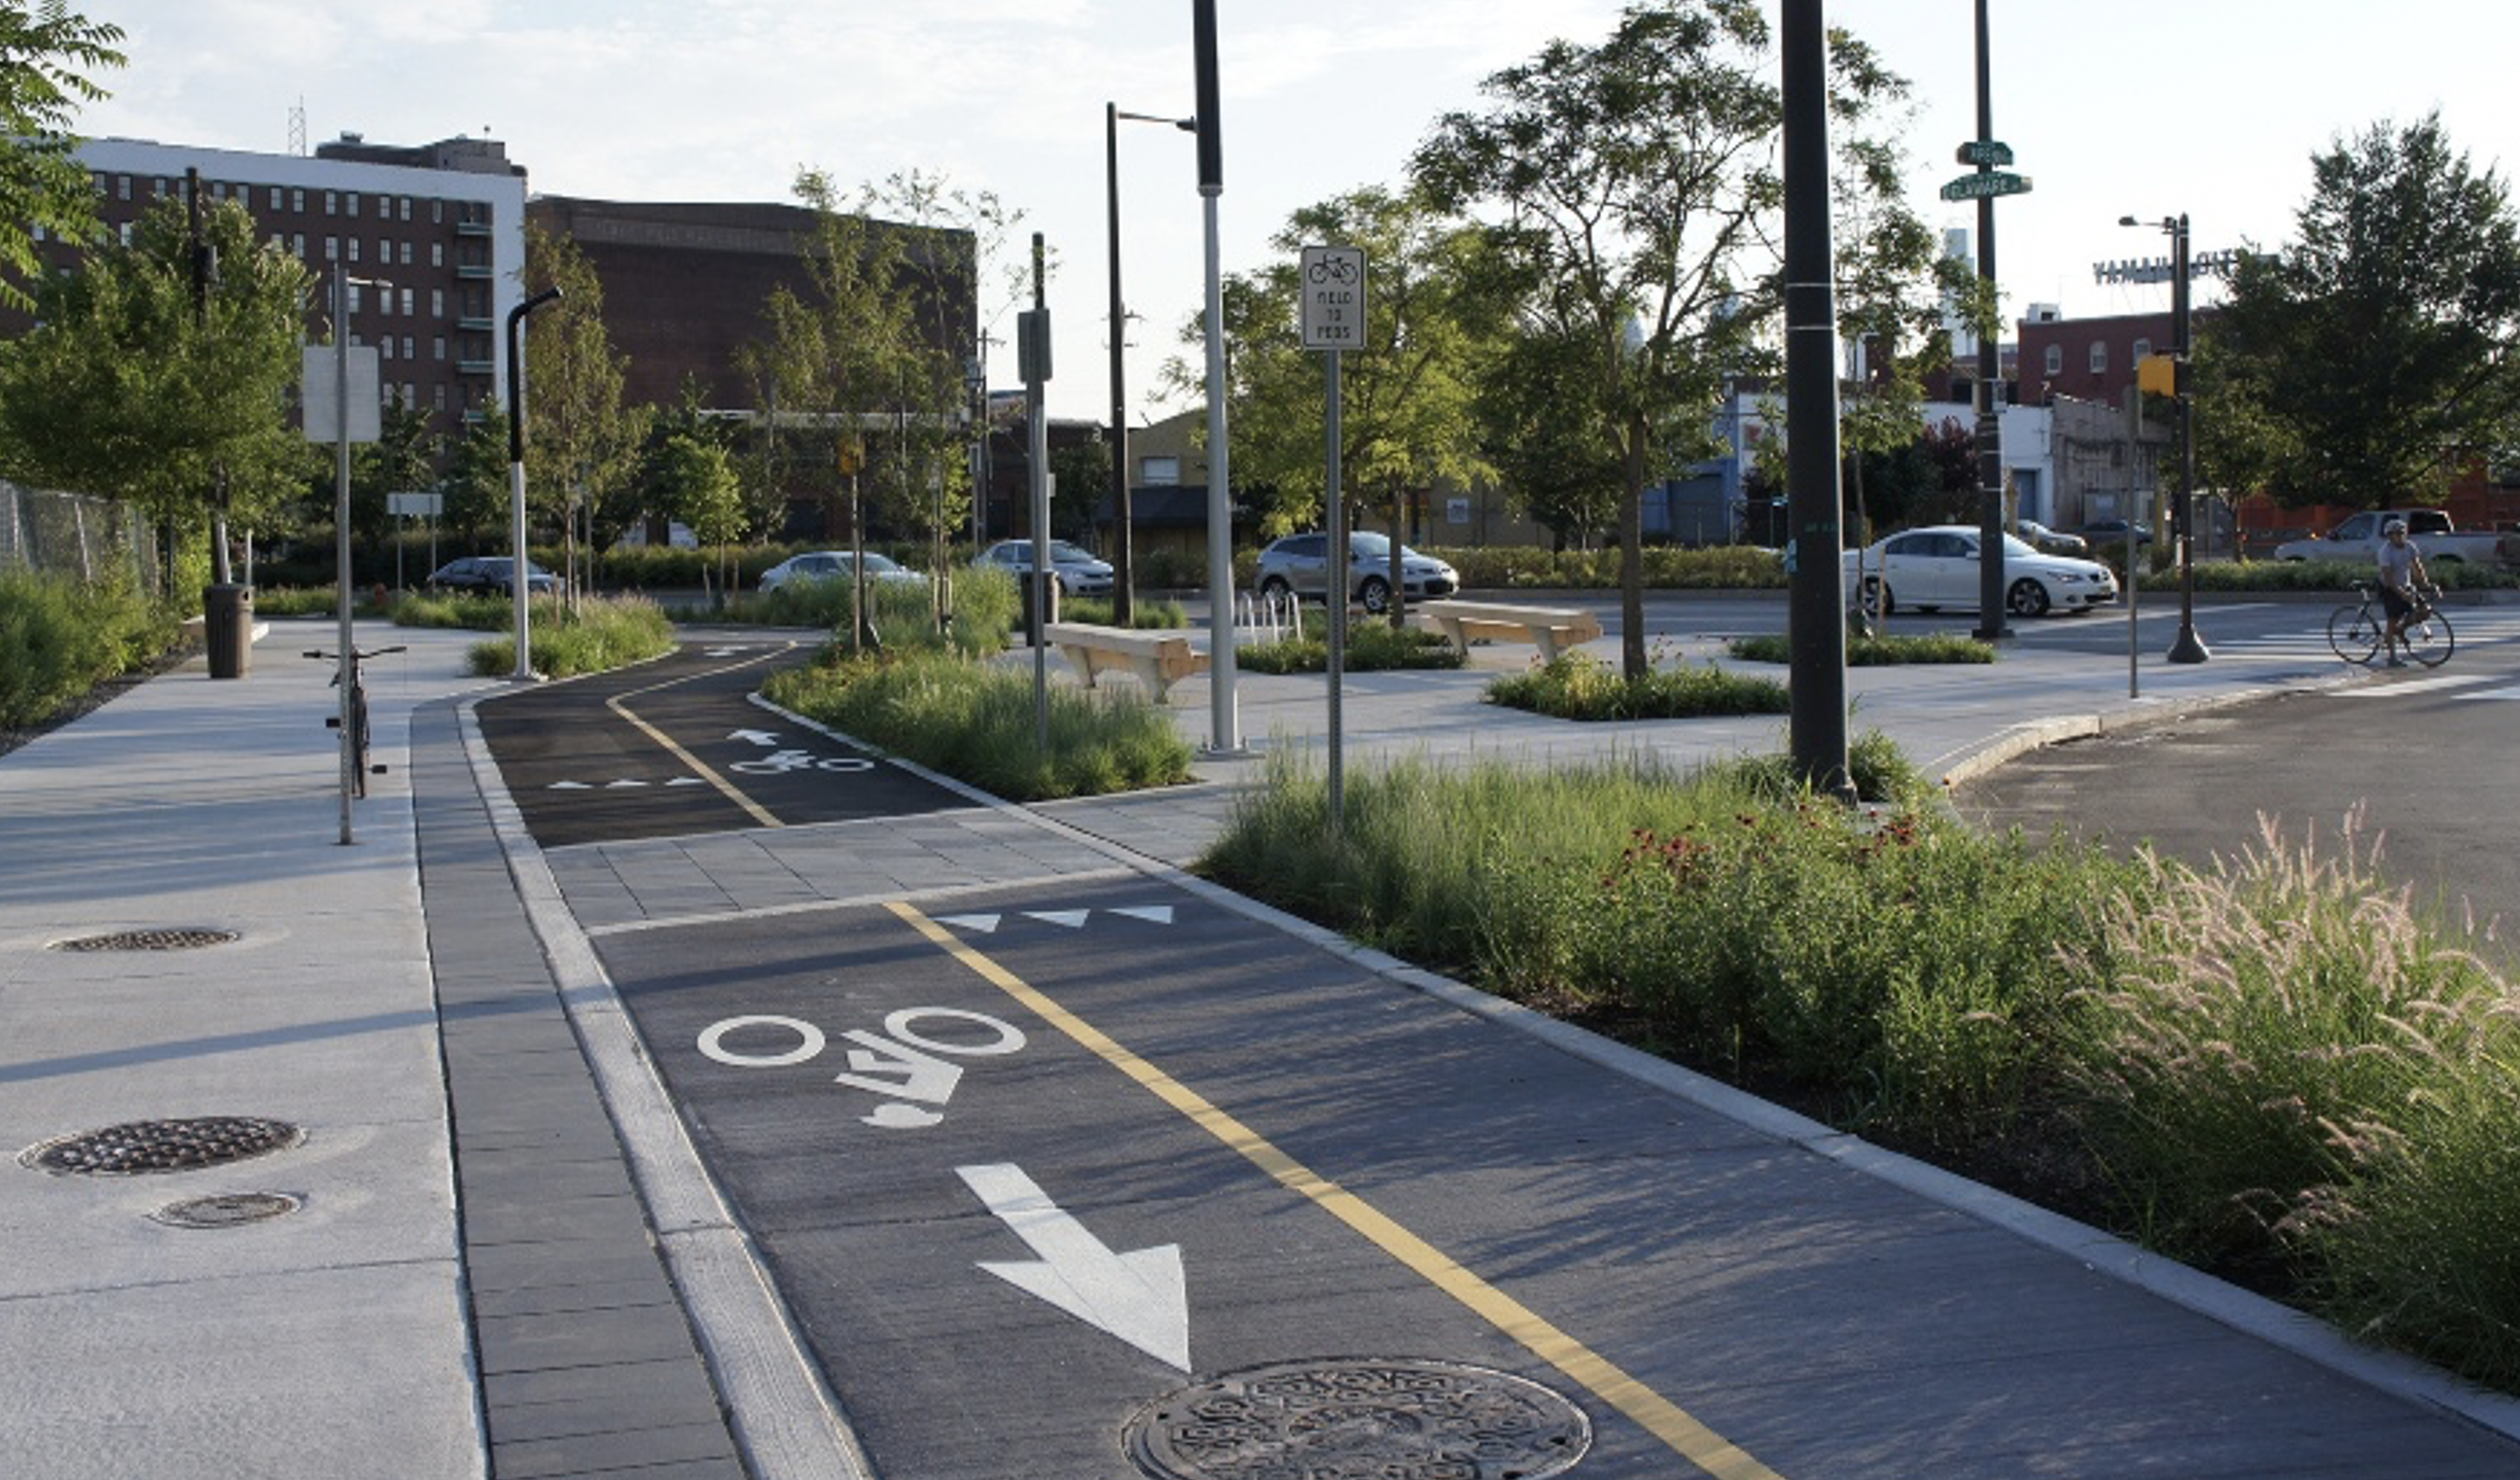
x,y
484,1264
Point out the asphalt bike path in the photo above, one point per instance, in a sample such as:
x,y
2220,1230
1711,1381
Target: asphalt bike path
x,y
1051,1170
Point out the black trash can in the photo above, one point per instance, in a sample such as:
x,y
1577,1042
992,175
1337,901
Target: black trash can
x,y
1049,608
227,613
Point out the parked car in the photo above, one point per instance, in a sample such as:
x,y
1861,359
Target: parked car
x,y
1300,563
834,564
1076,570
2107,532
493,576
1928,570
2052,541
2361,537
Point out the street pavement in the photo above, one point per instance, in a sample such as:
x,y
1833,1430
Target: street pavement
x,y
472,1210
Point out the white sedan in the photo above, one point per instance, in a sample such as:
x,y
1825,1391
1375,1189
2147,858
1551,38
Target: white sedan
x,y
835,565
1928,570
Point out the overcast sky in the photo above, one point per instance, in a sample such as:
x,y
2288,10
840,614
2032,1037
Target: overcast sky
x,y
2142,106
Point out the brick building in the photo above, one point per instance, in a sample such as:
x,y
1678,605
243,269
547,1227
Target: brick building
x,y
442,223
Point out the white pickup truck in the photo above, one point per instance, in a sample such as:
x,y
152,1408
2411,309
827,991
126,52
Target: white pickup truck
x,y
2359,539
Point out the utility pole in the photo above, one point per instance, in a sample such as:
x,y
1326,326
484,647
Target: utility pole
x,y
1224,731
1990,369
1815,594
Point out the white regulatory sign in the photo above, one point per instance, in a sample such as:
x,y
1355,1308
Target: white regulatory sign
x,y
1333,298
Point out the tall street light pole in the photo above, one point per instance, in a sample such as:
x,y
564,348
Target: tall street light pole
x,y
519,587
1816,598
1124,594
1990,369
1225,738
2189,648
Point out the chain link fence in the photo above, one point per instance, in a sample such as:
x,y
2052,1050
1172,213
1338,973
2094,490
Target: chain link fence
x,y
74,534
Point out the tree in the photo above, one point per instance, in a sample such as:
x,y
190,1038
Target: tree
x,y
403,459
583,443
1408,417
46,52
1640,179
128,388
696,480
2381,344
475,481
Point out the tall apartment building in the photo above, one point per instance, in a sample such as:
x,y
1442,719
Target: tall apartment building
x,y
443,224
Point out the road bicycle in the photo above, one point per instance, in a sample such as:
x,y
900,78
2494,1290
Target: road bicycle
x,y
2356,628
360,769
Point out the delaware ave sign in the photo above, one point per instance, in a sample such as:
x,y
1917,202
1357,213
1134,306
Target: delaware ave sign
x,y
1985,183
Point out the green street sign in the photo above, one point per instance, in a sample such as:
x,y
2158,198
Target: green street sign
x,y
1986,152
1985,183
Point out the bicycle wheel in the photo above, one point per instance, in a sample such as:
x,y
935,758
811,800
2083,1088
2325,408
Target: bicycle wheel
x,y
2429,641
2354,633
359,742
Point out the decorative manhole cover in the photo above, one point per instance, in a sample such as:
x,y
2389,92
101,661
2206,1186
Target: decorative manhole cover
x,y
163,1145
149,940
1360,1420
227,1210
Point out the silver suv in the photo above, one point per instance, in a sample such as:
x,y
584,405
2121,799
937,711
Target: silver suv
x,y
1076,570
1300,563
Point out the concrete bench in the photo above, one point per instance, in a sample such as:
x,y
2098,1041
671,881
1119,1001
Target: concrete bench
x,y
1159,659
1548,628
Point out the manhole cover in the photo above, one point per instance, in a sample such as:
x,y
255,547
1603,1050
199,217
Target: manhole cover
x,y
163,1145
148,940
1360,1420
225,1211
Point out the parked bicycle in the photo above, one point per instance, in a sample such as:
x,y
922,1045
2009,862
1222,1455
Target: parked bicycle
x,y
2356,628
360,769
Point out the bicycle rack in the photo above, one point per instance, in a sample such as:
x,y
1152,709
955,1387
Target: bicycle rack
x,y
1278,613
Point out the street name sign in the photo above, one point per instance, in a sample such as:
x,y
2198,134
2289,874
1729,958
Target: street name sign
x,y
1986,152
1986,183
1333,294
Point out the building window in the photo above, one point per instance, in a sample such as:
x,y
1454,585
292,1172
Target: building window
x,y
437,305
124,233
353,203
332,249
406,207
158,189
406,302
2142,350
438,396
385,253
331,202
122,187
406,347
275,198
354,299
438,212
297,244
354,248
405,253
2100,357
298,202
385,347
437,347
437,254
2055,359
1159,470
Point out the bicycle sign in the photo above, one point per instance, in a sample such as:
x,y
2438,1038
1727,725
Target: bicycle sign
x,y
781,762
1333,298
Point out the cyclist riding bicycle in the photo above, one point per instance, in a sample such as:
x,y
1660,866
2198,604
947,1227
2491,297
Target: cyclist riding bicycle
x,y
2401,569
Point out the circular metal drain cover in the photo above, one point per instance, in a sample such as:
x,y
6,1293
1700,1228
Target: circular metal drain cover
x,y
1360,1420
227,1210
163,1145
149,940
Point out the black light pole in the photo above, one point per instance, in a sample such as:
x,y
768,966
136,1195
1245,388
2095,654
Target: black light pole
x,y
1124,593
2189,648
1816,598
1990,369
520,588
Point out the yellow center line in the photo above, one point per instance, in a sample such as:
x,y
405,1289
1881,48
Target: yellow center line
x,y
619,705
1666,1420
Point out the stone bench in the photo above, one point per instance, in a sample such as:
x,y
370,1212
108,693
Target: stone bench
x,y
1159,659
1551,628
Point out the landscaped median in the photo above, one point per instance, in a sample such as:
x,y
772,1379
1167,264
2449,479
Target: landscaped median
x,y
2278,1071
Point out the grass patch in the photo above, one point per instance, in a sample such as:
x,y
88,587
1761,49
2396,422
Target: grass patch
x,y
976,722
1371,646
1874,651
1161,615
1579,687
60,637
603,633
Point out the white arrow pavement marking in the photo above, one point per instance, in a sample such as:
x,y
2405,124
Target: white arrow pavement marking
x,y
687,780
987,924
1073,920
754,736
1157,915
624,781
568,786
1139,1297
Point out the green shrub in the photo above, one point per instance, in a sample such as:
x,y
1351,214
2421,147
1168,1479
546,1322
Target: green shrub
x,y
1371,646
1579,687
977,722
60,637
2338,576
1875,652
603,633
1096,610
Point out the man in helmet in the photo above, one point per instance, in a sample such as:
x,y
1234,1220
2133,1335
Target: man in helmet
x,y
2401,569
